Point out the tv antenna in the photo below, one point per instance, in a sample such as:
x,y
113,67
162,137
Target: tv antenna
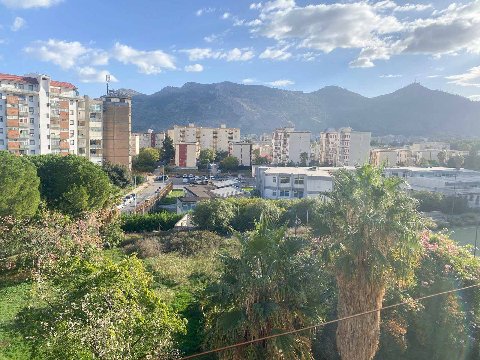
x,y
107,79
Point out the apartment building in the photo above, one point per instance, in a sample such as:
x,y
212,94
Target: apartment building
x,y
186,154
151,139
134,144
383,157
90,130
117,125
288,145
217,139
38,115
343,147
242,151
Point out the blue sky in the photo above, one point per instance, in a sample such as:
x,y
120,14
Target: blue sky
x,y
370,47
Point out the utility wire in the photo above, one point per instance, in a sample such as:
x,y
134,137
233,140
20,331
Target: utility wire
x,y
311,327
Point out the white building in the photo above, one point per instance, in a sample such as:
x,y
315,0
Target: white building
x,y
242,151
151,139
134,144
186,154
343,147
288,145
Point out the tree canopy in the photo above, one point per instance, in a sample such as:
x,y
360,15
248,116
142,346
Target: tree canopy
x,y
19,186
119,175
146,160
206,157
168,150
72,184
229,163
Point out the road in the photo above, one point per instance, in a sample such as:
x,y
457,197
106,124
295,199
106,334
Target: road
x,y
144,193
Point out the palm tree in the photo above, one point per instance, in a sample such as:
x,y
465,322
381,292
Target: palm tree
x,y
272,286
369,228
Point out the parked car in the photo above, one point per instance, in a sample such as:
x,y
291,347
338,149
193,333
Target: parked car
x,y
161,178
185,180
185,176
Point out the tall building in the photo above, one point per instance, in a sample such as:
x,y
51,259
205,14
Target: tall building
x,y
117,124
242,151
216,139
343,147
289,145
38,115
186,154
90,130
151,139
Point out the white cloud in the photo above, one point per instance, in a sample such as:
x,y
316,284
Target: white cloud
x,y
249,81
470,78
211,38
18,23
390,76
280,83
413,7
29,4
88,74
275,53
202,11
194,68
226,15
474,97
147,62
235,54
254,6
62,53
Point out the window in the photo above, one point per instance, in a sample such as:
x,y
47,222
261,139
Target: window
x,y
32,120
32,152
48,137
274,179
30,87
32,142
48,126
47,115
71,112
284,179
30,98
298,180
72,133
72,142
71,102
2,142
1,118
20,86
284,193
298,194
72,122
1,130
32,132
30,110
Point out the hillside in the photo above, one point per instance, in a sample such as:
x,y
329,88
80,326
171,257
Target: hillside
x,y
412,110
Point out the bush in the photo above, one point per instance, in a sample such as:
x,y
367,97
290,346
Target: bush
x,y
214,215
249,212
428,201
149,222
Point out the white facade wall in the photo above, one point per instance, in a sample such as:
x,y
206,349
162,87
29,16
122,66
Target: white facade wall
x,y
243,152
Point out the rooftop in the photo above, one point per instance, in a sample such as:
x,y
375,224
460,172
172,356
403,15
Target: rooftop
x,y
307,171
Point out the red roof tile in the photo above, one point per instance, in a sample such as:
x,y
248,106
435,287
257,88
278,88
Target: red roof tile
x,y
62,84
25,79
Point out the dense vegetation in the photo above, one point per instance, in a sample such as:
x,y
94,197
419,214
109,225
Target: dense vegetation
x,y
149,222
256,267
429,201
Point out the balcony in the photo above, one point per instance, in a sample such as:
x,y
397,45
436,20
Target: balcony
x,y
13,145
13,123
64,135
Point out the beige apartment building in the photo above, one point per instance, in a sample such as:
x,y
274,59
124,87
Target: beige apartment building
x,y
151,139
242,151
343,147
288,145
117,124
186,154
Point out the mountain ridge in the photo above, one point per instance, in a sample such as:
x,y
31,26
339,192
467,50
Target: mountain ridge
x,y
411,110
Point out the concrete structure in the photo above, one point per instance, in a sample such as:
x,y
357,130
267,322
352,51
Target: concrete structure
x,y
343,147
151,139
293,182
92,131
117,123
38,115
216,139
186,154
134,144
448,181
383,157
242,151
288,145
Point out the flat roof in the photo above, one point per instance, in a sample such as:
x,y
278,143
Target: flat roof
x,y
307,171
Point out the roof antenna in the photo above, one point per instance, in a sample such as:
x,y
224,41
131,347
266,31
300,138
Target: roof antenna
x,y
107,79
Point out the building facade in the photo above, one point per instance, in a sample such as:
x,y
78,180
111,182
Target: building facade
x,y
242,151
289,145
186,154
343,147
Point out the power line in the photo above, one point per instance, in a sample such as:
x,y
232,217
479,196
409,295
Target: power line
x,y
311,327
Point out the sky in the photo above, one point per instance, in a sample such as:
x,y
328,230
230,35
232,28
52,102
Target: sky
x,y
370,47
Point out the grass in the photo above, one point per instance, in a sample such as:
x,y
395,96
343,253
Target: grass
x,y
14,296
171,198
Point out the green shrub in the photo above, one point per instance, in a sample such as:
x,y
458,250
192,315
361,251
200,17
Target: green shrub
x,y
149,222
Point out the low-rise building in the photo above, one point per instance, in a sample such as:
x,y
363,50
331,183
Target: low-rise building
x,y
383,157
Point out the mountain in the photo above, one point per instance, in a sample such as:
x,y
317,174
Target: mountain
x,y
412,110
128,92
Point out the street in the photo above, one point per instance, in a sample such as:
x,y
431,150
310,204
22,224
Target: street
x,y
143,194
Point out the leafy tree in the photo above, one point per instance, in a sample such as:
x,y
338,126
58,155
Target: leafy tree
x,y
206,157
146,160
455,161
259,160
442,157
220,155
229,163
370,228
19,186
72,184
214,215
118,174
96,309
168,151
303,159
274,285
249,211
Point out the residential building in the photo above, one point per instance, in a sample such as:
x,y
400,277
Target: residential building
x,y
383,157
151,139
217,139
343,147
186,154
289,146
134,144
117,125
38,115
293,182
91,133
242,151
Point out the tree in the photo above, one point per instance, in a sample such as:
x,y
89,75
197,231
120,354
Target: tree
x,y
229,163
72,184
455,161
370,228
220,155
19,186
168,153
273,285
206,157
214,215
119,175
98,309
146,160
303,159
442,157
